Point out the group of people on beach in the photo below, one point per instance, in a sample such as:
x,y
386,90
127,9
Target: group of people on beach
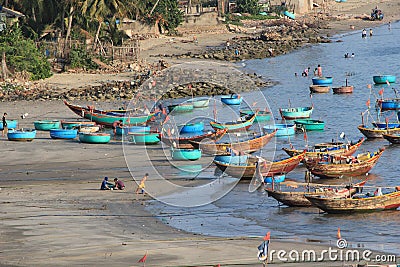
x,y
317,71
119,185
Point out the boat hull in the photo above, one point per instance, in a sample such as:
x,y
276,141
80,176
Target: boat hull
x,y
382,79
63,133
184,141
76,124
192,127
185,154
47,125
392,138
281,129
388,104
233,126
180,108
296,113
11,124
231,100
310,125
94,138
146,138
371,133
124,130
343,90
320,89
322,80
200,102
25,135
261,115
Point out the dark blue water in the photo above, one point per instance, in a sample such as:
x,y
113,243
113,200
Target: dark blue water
x,y
241,213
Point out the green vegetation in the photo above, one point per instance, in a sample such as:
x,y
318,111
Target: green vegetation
x,y
248,6
22,54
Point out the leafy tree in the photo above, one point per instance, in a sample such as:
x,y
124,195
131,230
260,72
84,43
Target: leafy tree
x,y
164,13
248,6
22,54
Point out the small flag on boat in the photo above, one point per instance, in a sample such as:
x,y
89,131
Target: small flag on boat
x,y
388,83
166,120
339,236
342,135
380,92
143,259
254,104
263,248
305,136
368,103
369,86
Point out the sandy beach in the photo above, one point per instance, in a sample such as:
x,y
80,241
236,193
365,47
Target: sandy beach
x,y
53,213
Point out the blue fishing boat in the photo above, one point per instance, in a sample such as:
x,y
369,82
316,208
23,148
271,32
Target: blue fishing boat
x,y
322,80
145,138
296,113
282,129
388,104
233,99
310,124
94,138
200,102
125,129
181,108
232,159
382,79
262,115
25,135
46,125
192,127
289,14
277,179
11,124
384,125
185,154
63,133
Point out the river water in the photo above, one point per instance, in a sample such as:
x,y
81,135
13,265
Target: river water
x,y
241,213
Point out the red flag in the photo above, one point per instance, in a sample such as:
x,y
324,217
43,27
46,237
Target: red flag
x,y
386,120
368,102
267,236
380,92
254,104
166,120
169,131
339,236
369,86
305,136
143,259
164,111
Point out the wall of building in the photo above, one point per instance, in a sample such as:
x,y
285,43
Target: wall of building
x,y
300,6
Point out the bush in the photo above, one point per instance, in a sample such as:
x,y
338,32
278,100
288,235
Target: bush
x,y
79,58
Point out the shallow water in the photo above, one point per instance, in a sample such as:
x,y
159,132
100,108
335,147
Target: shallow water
x,y
241,213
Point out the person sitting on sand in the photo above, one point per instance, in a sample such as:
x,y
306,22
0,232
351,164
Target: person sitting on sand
x,y
142,185
118,184
105,185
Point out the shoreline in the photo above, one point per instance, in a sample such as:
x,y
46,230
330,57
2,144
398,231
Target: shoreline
x,y
65,218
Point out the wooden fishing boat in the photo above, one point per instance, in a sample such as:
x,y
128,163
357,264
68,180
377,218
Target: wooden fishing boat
x,y
267,168
262,115
392,138
322,80
192,127
310,124
281,129
252,144
145,138
331,148
46,125
107,118
232,159
357,203
200,102
343,89
63,133
125,129
185,154
242,124
382,79
233,99
298,199
24,135
296,113
94,138
181,108
11,124
342,166
319,88
377,132
184,141
289,14
76,124
388,104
